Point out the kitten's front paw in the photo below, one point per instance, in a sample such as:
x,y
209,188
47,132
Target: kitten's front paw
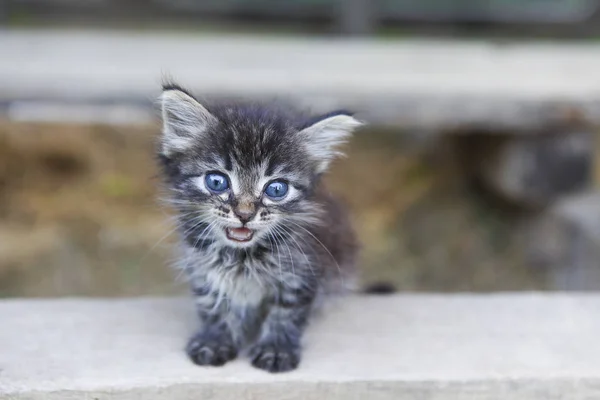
x,y
206,349
275,357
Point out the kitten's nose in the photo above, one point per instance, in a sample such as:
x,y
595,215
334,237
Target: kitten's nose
x,y
245,212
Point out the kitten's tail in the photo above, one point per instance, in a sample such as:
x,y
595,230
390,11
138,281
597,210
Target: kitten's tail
x,y
382,288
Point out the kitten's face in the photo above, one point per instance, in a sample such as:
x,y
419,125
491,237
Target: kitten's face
x,y
244,174
241,197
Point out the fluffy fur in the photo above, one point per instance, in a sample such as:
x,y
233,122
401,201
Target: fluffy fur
x,y
255,295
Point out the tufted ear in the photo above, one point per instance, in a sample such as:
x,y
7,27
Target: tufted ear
x,y
184,120
324,137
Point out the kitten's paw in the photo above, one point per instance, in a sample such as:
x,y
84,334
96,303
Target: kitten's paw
x,y
209,350
275,357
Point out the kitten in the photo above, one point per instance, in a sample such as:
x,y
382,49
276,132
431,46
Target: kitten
x,y
262,239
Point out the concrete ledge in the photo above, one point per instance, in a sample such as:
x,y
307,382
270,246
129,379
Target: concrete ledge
x,y
528,346
410,83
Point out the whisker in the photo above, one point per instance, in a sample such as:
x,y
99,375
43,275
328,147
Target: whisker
x,y
273,248
209,227
278,253
291,235
288,249
324,247
196,222
169,233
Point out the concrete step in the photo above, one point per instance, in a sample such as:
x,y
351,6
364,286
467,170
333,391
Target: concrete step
x,y
411,83
505,346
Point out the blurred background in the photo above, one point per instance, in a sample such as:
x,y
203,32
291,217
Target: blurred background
x,y
477,172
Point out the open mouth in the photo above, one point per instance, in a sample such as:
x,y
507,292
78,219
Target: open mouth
x,y
239,234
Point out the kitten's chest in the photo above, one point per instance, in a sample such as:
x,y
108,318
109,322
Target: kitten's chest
x,y
241,280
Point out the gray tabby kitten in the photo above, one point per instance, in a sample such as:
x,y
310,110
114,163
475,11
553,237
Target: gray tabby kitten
x,y
262,238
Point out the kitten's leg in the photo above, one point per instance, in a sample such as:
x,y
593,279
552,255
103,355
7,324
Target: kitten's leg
x,y
214,343
278,347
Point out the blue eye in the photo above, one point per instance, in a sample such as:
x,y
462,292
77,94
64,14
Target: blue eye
x,y
216,183
277,190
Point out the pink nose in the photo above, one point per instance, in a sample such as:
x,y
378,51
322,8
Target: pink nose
x,y
245,212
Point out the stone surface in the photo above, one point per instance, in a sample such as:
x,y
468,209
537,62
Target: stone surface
x,y
528,346
421,84
534,171
566,242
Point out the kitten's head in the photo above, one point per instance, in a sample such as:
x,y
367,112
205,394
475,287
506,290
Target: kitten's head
x,y
242,173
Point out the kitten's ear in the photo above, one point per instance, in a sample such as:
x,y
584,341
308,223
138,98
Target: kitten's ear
x,y
184,120
324,137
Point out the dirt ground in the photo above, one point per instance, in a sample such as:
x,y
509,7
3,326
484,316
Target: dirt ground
x,y
79,216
